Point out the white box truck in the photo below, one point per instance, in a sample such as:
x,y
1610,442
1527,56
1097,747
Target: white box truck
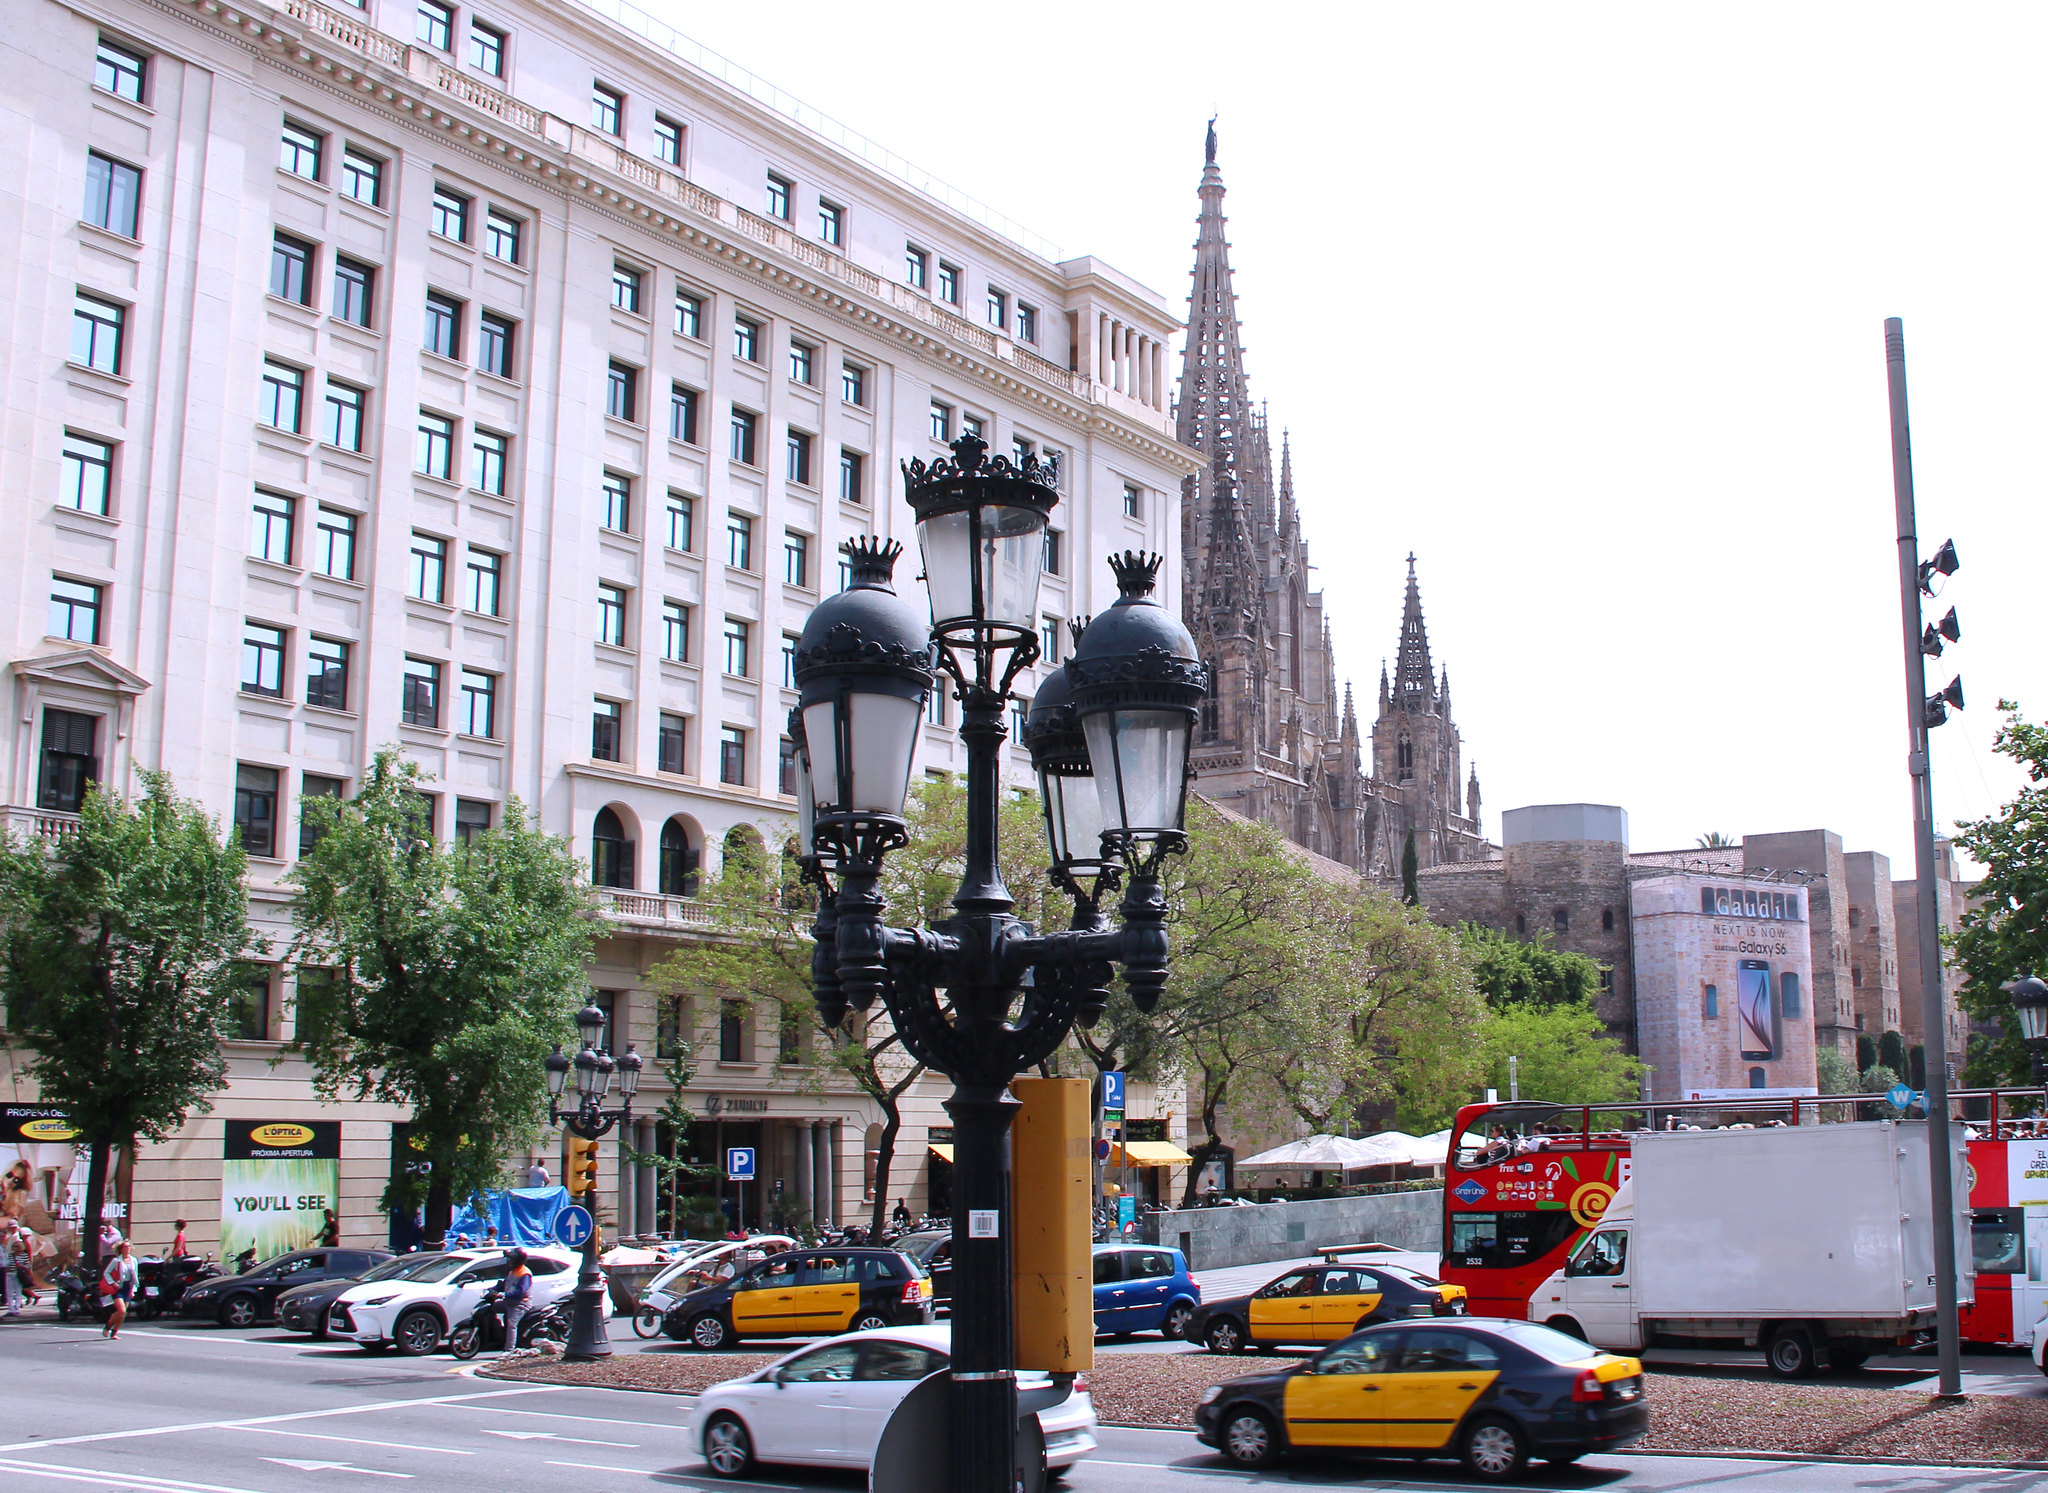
x,y
1814,1243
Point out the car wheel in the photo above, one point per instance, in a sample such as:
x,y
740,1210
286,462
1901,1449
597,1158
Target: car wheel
x,y
710,1333
869,1322
1790,1354
238,1311
1224,1336
727,1446
647,1322
1248,1437
1569,1327
416,1333
1177,1318
1493,1450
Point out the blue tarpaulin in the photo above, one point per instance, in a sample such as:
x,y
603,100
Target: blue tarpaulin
x,y
521,1215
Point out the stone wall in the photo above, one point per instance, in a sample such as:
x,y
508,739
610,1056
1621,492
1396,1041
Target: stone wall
x,y
1873,942
1217,1238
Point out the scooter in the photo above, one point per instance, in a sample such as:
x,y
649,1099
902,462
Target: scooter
x,y
485,1327
164,1282
78,1293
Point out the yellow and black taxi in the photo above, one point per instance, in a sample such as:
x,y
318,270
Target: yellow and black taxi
x,y
806,1293
1320,1304
1486,1390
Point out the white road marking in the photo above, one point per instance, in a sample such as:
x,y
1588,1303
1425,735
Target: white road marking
x,y
450,1402
397,1446
111,1479
551,1436
335,1467
271,1420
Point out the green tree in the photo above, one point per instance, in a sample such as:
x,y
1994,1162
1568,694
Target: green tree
x,y
1566,1055
1411,886
2003,934
1715,840
1866,1051
1877,1078
1891,1051
116,968
1510,970
1834,1074
437,978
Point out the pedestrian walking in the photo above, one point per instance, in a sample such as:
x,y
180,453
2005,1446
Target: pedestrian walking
x,y
118,1282
178,1250
518,1292
10,1253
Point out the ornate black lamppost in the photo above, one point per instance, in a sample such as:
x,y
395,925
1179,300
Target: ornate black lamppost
x,y
981,996
2030,1006
595,1069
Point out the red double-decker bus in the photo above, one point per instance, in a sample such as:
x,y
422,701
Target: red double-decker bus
x,y
1525,1180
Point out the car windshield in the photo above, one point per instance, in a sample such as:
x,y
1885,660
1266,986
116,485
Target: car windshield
x,y
404,1267
443,1268
1558,1347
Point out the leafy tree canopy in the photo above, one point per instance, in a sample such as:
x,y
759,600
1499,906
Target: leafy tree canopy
x,y
438,978
1564,1054
1510,970
119,941
2003,935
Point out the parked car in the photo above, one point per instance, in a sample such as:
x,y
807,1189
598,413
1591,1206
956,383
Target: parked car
x,y
304,1308
1143,1288
1488,1391
1320,1304
825,1405
803,1292
2041,1343
933,1249
413,1314
701,1265
242,1300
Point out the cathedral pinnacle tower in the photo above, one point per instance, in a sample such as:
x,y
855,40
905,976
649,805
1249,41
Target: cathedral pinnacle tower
x,y
1279,739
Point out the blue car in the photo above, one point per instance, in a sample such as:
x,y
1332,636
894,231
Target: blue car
x,y
1143,1288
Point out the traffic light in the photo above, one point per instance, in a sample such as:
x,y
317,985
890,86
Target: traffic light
x,y
1052,1270
579,1166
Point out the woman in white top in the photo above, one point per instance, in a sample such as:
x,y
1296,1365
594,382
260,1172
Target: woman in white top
x,y
119,1280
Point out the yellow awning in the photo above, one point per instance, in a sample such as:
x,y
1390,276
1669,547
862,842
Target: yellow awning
x,y
1151,1153
942,1149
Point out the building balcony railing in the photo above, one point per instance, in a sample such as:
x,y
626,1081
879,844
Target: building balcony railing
x,y
37,824
659,910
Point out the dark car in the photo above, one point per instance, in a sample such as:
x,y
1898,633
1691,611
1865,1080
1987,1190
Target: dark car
x,y
933,1249
1491,1392
1142,1288
1320,1304
304,1308
239,1300
805,1293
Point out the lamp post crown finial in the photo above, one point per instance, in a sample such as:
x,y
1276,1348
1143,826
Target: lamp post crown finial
x,y
1136,572
872,561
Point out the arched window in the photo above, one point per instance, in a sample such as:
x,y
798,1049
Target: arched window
x,y
1561,920
1757,1078
1210,715
679,860
744,852
1295,622
1606,920
611,853
1404,759
1521,926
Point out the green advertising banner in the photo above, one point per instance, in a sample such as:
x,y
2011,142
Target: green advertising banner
x,y
280,1185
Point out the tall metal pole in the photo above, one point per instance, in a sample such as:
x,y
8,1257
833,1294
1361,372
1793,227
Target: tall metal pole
x,y
1934,1005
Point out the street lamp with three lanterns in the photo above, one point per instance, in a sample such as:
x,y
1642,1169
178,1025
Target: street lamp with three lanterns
x,y
595,1069
981,996
2030,1007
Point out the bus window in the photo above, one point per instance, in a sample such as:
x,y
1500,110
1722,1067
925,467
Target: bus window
x,y
1475,1238
1995,1241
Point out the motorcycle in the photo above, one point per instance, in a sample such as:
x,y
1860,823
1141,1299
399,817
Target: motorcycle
x,y
78,1292
485,1327
163,1283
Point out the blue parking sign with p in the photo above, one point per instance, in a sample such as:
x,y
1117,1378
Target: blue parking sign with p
x,y
1112,1091
739,1163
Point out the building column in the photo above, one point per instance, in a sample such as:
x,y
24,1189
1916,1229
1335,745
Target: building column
x,y
801,1151
1159,377
649,1211
825,1173
622,1214
1103,373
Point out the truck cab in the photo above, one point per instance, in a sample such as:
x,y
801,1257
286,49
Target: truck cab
x,y
1593,1296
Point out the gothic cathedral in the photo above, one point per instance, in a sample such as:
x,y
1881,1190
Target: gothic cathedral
x,y
1274,744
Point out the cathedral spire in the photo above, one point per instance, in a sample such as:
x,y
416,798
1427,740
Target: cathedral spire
x,y
1288,523
1414,679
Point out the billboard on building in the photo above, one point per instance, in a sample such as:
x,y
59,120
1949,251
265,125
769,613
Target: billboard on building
x,y
280,1186
43,1168
1724,974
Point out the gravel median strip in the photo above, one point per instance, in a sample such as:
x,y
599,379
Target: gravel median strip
x,y
1688,1412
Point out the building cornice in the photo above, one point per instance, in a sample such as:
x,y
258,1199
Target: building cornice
x,y
417,88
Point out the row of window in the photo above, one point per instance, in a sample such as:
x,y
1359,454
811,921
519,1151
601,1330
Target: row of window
x,y
918,275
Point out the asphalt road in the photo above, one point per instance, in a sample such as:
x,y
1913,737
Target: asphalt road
x,y
183,1409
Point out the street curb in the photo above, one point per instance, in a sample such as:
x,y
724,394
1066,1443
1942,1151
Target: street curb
x,y
1724,1455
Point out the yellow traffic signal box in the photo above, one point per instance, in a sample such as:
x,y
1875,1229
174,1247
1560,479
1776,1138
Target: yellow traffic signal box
x,y
1052,1268
579,1165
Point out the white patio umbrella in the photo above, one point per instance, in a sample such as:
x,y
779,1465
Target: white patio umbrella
x,y
1313,1153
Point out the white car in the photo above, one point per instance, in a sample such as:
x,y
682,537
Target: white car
x,y
414,1314
826,1405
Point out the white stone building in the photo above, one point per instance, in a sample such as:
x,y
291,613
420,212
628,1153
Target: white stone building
x,y
498,382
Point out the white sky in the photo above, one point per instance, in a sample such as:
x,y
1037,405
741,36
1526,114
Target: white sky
x,y
1584,305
